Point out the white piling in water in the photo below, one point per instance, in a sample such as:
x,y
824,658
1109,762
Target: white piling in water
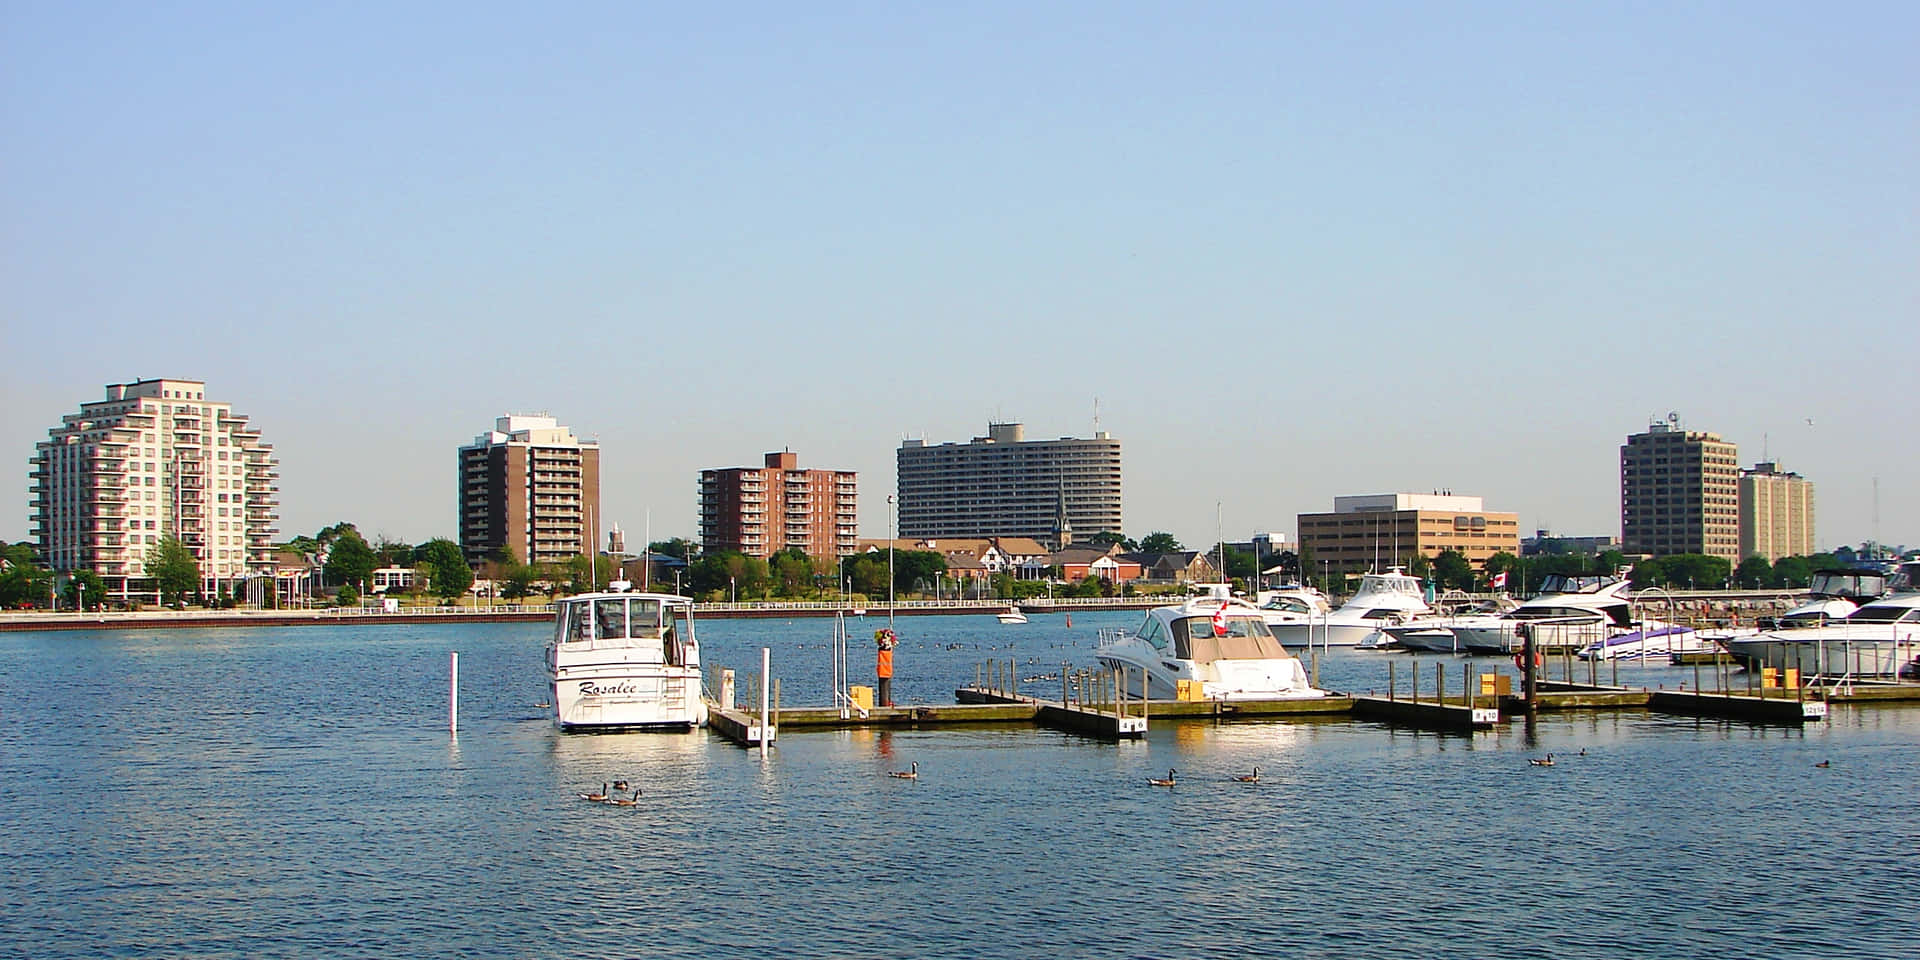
x,y
453,694
766,669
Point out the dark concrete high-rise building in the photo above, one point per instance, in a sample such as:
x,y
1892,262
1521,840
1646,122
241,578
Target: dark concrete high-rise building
x,y
1004,485
531,485
1679,492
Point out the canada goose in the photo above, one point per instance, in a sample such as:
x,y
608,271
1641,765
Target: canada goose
x,y
1168,782
621,786
627,802
1547,762
1253,777
913,774
1824,764
600,797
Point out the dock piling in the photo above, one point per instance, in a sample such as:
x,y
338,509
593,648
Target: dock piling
x,y
766,667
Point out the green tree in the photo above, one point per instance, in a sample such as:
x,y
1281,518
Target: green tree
x,y
349,558
867,572
24,585
347,597
517,582
677,547
1791,572
1240,565
1501,562
792,572
1160,541
446,564
1452,570
1609,562
916,566
87,586
394,553
17,554
174,570
1420,567
1110,537
1754,572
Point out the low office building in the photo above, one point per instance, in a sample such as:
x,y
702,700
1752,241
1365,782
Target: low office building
x,y
1368,533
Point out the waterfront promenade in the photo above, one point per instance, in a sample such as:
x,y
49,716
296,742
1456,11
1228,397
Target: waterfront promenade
x,y
524,613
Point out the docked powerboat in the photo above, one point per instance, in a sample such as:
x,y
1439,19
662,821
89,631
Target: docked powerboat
x,y
1652,640
1435,634
1832,596
1569,613
1221,643
1384,599
1293,603
625,661
1012,615
1881,639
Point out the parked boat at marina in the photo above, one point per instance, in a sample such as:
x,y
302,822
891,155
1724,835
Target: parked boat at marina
x,y
1880,639
1293,603
625,661
1569,613
1221,643
1012,615
1384,599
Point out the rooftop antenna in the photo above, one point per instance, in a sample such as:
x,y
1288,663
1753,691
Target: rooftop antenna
x,y
1096,415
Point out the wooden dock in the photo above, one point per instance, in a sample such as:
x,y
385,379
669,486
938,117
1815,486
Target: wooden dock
x,y
1734,706
1428,713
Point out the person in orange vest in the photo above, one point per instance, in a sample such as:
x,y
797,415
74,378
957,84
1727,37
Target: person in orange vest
x,y
884,639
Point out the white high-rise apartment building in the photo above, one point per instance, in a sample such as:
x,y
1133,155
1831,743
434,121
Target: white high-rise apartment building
x,y
155,459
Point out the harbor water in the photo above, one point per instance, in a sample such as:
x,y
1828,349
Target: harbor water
x,y
288,792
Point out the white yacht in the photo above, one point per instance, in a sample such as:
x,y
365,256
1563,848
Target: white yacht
x,y
1880,639
1220,642
1384,599
625,661
1292,603
1569,612
1012,615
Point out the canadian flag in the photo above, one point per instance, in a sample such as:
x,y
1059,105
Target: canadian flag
x,y
1499,580
1220,621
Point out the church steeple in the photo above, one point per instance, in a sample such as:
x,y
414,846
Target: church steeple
x,y
1062,527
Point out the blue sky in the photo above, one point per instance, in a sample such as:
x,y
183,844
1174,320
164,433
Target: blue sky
x,y
1293,253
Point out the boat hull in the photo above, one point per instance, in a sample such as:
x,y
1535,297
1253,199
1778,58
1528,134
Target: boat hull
x,y
1220,680
623,699
1833,656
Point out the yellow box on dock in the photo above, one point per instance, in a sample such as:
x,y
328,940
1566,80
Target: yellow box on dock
x,y
1496,685
862,697
1189,690
1793,677
1769,677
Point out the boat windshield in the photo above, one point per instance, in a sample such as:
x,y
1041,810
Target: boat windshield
x,y
1559,583
1848,583
1237,638
1885,613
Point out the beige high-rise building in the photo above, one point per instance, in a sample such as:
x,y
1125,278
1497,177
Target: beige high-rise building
x,y
1378,531
529,484
1776,513
760,511
1679,492
156,458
